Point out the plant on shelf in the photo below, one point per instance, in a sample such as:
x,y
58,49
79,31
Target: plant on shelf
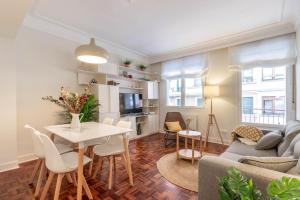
x,y
142,67
235,186
127,63
76,108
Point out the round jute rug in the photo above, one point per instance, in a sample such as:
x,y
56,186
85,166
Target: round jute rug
x,y
180,172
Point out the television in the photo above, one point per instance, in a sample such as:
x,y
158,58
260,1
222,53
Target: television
x,y
130,103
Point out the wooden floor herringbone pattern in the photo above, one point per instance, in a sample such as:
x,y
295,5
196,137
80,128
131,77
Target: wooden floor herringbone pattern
x,y
148,183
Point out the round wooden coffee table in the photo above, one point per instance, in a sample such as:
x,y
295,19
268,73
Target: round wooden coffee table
x,y
186,153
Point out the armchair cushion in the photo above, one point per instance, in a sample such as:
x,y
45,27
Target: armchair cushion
x,y
173,126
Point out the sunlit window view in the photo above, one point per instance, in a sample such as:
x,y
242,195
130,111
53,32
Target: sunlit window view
x,y
190,95
264,95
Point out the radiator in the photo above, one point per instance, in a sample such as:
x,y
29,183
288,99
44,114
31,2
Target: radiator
x,y
194,122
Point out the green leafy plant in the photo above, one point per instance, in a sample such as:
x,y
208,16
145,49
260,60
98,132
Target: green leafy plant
x,y
127,62
142,67
284,189
235,186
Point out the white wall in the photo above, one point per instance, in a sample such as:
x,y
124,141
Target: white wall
x,y
8,134
225,107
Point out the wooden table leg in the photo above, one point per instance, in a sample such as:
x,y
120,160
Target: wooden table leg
x,y
125,141
80,171
177,145
185,143
201,146
193,149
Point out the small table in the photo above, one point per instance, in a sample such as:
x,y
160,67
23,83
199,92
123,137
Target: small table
x,y
186,153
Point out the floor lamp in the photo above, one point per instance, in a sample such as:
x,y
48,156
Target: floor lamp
x,y
211,91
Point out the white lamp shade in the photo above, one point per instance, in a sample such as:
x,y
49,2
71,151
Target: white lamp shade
x,y
212,91
91,53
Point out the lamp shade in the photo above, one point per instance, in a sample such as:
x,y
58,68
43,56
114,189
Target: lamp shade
x,y
212,91
91,53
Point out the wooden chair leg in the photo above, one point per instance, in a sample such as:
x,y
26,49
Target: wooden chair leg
x,y
86,188
73,174
125,162
36,167
98,167
47,185
92,155
58,185
40,178
110,172
69,178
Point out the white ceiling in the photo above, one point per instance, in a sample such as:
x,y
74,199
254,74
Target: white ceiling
x,y
158,27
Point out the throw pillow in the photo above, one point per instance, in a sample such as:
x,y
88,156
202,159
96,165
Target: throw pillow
x,y
297,150
291,130
173,126
269,140
280,164
250,132
247,141
290,150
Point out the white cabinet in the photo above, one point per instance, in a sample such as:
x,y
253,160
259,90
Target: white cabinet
x,y
108,98
151,90
108,68
152,124
132,119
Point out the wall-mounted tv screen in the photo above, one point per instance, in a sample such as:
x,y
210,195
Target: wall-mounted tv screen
x,y
130,103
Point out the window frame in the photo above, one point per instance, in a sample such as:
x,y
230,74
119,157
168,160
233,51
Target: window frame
x,y
183,92
289,99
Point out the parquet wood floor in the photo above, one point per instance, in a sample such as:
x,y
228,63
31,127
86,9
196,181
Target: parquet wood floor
x,y
148,183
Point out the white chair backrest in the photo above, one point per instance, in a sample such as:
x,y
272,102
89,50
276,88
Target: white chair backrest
x,y
54,161
37,143
118,139
108,121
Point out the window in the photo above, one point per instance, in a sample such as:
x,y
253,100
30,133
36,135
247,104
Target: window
x,y
174,92
264,102
247,105
273,73
247,76
190,95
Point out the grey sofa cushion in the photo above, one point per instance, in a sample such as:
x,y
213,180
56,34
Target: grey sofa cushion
x,y
269,141
291,130
297,150
246,150
231,156
290,149
280,164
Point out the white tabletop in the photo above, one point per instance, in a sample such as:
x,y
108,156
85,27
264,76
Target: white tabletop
x,y
190,133
88,131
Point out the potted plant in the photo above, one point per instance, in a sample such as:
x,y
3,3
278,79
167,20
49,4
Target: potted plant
x,y
142,67
127,63
235,186
77,108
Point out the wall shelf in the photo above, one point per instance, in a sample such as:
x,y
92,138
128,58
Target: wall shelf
x,y
129,69
131,88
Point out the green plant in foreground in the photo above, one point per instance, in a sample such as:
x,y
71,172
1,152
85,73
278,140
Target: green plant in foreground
x,y
284,189
235,186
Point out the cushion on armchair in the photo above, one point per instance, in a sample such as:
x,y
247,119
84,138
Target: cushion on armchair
x,y
173,126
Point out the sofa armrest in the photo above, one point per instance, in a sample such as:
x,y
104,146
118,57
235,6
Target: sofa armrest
x,y
211,167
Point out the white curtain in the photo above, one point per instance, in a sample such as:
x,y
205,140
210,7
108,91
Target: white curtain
x,y
189,66
277,51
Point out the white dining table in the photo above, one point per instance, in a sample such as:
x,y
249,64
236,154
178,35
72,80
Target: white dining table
x,y
90,131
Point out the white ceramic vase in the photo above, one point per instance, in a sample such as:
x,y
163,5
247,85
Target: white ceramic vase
x,y
75,123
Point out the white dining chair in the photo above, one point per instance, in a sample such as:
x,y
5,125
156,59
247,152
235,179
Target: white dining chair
x,y
91,143
60,164
113,147
39,153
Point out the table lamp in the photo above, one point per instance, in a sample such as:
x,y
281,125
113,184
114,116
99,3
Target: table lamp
x,y
211,91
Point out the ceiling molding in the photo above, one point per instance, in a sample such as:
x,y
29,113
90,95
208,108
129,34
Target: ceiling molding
x,y
263,32
70,33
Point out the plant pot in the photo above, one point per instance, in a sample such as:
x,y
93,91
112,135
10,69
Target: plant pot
x,y
75,123
127,65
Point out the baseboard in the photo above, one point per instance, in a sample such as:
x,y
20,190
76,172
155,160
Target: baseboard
x,y
26,157
218,141
9,166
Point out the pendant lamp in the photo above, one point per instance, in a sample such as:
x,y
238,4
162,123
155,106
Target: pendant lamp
x,y
91,53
